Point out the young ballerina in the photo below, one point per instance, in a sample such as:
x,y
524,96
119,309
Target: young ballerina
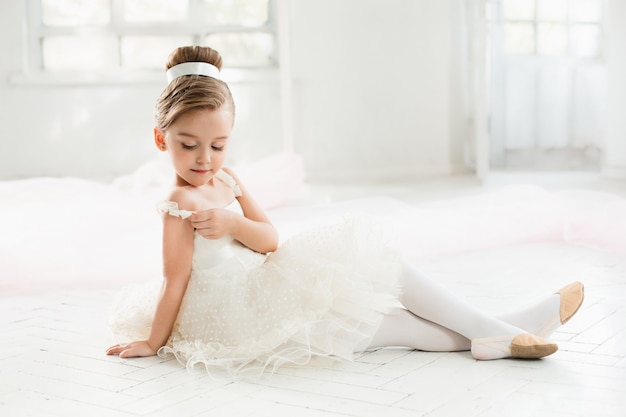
x,y
233,300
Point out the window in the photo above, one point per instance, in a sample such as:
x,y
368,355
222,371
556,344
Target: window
x,y
548,84
125,36
552,27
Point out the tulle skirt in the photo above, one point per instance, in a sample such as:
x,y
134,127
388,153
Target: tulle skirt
x,y
323,293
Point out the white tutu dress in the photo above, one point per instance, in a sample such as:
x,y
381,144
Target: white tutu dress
x,y
322,293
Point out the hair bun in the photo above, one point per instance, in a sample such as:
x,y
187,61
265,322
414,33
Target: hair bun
x,y
194,53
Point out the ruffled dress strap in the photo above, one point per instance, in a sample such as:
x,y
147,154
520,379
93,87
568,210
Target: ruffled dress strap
x,y
228,180
171,208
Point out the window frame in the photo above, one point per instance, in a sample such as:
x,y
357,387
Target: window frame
x,y
33,71
569,23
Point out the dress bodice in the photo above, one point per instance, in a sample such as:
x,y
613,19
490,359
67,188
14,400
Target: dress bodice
x,y
209,253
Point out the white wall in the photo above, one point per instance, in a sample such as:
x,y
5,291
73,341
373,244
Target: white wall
x,y
373,99
372,88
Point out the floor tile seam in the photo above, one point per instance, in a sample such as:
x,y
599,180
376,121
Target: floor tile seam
x,y
593,327
60,332
99,360
328,411
474,413
170,404
340,399
94,372
407,370
566,386
570,342
152,378
581,372
329,395
395,405
604,355
355,374
349,375
76,401
46,394
193,391
82,384
614,361
499,373
100,374
239,399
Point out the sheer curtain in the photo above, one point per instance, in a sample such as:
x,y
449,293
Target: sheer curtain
x,y
470,76
534,83
548,84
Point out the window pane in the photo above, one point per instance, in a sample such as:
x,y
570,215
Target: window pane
x,y
75,12
586,10
244,49
552,10
519,38
155,10
150,51
552,39
518,9
586,40
79,52
235,12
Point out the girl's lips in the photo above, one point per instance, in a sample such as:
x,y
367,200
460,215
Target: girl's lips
x,y
200,171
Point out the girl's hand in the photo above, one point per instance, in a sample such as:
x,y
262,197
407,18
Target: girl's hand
x,y
132,350
214,223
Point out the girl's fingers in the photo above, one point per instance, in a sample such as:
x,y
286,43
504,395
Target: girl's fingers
x,y
116,349
131,350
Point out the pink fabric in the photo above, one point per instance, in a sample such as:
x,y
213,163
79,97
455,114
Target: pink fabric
x,y
76,233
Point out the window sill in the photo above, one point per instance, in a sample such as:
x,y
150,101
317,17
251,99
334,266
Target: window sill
x,y
130,77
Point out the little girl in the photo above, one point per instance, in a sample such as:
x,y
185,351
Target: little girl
x,y
233,300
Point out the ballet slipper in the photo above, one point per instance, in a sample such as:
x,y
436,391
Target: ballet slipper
x,y
572,296
523,346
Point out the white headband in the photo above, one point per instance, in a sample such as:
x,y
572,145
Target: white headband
x,y
192,68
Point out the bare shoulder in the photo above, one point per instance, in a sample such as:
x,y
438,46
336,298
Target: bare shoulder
x,y
185,198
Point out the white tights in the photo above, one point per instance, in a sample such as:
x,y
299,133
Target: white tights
x,y
437,320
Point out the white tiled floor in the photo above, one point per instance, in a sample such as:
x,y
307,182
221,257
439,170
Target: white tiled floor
x,y
52,360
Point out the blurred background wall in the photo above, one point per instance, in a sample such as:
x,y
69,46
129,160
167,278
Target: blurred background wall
x,y
378,91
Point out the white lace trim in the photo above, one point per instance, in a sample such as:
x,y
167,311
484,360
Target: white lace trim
x,y
230,181
171,208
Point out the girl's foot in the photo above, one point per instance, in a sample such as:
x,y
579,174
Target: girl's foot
x,y
545,316
572,297
523,346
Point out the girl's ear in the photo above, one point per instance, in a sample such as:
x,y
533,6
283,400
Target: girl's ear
x,y
159,140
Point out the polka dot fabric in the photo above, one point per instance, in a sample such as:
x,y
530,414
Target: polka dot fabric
x,y
244,314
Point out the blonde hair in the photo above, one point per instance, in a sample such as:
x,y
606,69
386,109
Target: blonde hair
x,y
192,92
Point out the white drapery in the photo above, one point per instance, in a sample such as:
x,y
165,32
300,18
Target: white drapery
x,y
532,104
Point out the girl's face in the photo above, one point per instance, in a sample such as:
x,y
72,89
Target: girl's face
x,y
197,144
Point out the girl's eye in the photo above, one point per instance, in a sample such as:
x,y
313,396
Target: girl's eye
x,y
188,146
218,148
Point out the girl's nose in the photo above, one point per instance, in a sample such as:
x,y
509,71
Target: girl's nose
x,y
204,156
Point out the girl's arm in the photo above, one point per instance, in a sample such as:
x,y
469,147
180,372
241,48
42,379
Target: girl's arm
x,y
177,253
253,229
